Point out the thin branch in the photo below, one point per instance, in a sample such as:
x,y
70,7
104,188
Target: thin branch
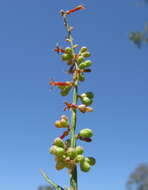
x,y
50,181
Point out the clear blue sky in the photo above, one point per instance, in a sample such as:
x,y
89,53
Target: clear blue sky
x,y
29,31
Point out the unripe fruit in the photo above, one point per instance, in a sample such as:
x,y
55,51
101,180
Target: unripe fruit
x,y
86,133
85,64
80,59
64,123
85,167
86,54
60,165
80,158
82,65
58,142
79,150
53,149
91,161
66,57
89,94
83,95
68,50
71,152
60,151
83,49
81,77
87,159
88,63
58,124
57,151
87,101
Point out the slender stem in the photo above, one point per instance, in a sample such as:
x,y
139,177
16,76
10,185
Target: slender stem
x,y
73,174
73,178
50,181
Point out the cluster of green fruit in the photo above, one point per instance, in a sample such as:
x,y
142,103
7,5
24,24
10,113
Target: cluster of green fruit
x,y
69,57
87,98
82,63
83,53
68,157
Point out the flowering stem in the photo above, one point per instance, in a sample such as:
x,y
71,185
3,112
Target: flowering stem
x,y
73,174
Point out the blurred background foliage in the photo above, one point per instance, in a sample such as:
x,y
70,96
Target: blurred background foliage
x,y
138,179
140,37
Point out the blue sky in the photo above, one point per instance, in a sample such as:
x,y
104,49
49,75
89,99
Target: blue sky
x,y
28,34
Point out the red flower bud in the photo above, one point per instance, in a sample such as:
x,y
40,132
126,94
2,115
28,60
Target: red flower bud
x,y
80,7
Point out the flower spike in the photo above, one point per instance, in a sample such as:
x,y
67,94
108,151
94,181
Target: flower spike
x,y
80,7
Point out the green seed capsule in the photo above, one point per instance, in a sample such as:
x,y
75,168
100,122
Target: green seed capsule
x,y
80,59
87,159
81,77
79,158
91,161
85,167
89,94
66,57
60,165
85,64
88,63
68,50
83,49
86,133
57,151
83,95
53,149
60,151
58,124
58,142
79,150
71,152
86,54
64,123
87,101
82,65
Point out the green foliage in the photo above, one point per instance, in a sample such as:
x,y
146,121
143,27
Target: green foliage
x,y
138,38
